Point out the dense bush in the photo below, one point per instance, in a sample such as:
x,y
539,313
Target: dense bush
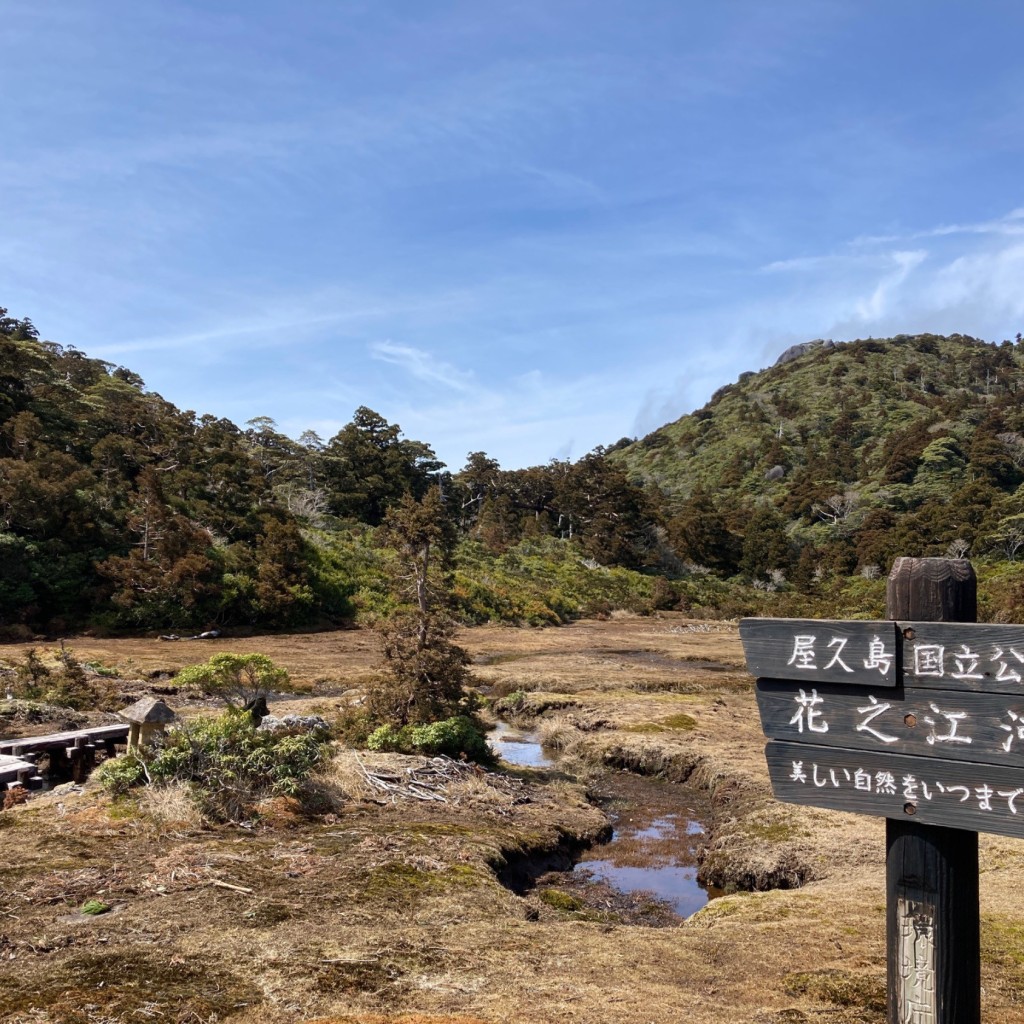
x,y
238,679
458,737
63,682
229,764
120,774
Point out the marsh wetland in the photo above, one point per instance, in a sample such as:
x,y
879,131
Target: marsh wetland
x,y
531,894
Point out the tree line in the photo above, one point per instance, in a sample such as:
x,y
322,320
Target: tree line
x,y
118,509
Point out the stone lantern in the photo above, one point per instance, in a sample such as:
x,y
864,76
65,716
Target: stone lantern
x,y
147,718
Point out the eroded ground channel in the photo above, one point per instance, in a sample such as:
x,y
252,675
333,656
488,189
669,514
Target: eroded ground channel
x,y
643,869
530,895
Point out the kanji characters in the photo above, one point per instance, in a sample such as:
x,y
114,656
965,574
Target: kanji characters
x,y
839,642
966,664
807,711
929,660
1016,730
885,783
953,718
1005,673
878,657
872,710
803,653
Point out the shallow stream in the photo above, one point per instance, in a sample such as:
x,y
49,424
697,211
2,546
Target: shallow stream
x,y
651,856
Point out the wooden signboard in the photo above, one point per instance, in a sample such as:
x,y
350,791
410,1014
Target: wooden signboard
x,y
823,651
935,655
955,695
978,797
918,719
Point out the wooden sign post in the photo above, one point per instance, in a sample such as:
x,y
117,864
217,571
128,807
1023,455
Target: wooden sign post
x,y
919,719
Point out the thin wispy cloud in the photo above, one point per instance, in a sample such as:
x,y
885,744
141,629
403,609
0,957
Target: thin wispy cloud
x,y
422,365
568,223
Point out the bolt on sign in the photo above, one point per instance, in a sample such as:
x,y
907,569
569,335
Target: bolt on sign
x,y
895,719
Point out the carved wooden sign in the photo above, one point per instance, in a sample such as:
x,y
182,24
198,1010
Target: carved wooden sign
x,y
916,719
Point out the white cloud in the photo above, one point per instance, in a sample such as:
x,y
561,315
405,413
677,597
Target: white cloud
x,y
872,308
422,365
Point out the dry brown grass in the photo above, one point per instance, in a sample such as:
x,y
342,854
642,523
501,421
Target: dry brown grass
x,y
559,733
394,914
171,804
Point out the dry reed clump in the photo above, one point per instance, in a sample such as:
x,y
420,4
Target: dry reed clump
x,y
171,803
503,686
561,734
342,780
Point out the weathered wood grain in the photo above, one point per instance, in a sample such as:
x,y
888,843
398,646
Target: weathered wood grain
x,y
963,656
26,744
931,870
958,726
932,590
823,650
932,791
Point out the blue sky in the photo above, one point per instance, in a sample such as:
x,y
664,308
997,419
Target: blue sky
x,y
526,228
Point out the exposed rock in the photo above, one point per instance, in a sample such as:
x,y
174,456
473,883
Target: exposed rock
x,y
796,351
293,725
775,473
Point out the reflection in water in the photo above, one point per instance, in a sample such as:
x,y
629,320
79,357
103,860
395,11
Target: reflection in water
x,y
653,844
517,747
660,828
675,885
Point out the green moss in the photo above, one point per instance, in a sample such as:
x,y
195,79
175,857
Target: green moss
x,y
116,984
95,907
680,721
644,728
398,882
839,987
773,831
1004,934
561,900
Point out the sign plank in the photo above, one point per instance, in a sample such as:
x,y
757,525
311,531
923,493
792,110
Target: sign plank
x,y
962,656
959,726
932,791
823,651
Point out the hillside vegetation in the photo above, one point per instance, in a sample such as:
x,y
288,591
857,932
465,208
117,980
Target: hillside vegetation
x,y
840,459
790,492
120,511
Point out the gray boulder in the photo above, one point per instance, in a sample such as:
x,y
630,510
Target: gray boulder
x,y
796,351
293,725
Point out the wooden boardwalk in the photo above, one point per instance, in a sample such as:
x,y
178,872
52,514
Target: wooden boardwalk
x,y
74,750
15,772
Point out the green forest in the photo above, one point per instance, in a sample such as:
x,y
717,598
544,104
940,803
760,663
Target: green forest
x,y
791,491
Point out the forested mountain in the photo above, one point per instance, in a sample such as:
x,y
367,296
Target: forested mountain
x,y
118,509
792,486
843,456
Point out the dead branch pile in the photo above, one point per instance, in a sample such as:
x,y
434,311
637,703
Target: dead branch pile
x,y
437,779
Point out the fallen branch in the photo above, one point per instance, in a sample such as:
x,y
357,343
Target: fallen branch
x,y
228,885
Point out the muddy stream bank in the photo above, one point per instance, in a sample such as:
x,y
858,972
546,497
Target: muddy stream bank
x,y
646,871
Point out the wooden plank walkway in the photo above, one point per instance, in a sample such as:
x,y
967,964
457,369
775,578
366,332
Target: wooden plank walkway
x,y
14,771
73,751
74,738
